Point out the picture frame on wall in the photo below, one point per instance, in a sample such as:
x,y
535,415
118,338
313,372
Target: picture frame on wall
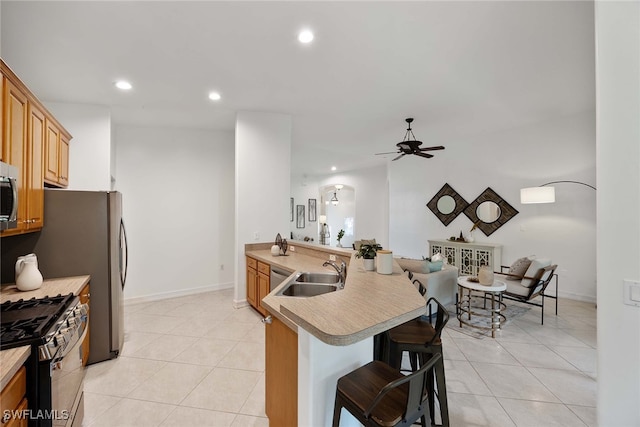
x,y
291,209
299,216
312,210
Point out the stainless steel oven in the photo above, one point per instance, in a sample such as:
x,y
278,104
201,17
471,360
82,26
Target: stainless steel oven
x,y
8,196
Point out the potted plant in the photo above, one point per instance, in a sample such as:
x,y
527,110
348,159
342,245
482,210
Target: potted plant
x,y
368,253
340,236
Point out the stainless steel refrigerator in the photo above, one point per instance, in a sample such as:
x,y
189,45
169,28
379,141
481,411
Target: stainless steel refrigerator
x,y
84,233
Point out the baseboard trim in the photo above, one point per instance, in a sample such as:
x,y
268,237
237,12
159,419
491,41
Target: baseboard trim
x,y
240,303
577,297
178,293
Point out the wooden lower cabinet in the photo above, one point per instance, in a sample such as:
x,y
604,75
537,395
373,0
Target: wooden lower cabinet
x,y
13,398
85,298
258,283
281,374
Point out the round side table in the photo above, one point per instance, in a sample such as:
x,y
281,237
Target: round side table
x,y
465,310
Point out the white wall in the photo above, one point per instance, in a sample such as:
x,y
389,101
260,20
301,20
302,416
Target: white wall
x,y
178,192
302,190
90,152
618,106
562,149
263,182
371,201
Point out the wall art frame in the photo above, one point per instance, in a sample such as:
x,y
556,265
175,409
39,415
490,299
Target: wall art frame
x,y
312,210
300,216
460,204
506,211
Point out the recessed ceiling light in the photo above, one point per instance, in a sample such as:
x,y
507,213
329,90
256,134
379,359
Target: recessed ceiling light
x,y
305,36
333,168
124,85
214,96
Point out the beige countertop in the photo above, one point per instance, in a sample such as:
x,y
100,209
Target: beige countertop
x,y
370,303
12,359
50,287
10,362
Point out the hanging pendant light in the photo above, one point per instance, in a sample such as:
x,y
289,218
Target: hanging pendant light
x,y
334,199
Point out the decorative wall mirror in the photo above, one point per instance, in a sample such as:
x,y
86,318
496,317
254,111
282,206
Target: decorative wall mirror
x,y
447,204
490,211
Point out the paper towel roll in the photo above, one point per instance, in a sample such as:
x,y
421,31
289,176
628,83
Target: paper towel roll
x,y
385,261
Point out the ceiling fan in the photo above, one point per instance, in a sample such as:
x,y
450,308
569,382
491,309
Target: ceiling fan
x,y
412,146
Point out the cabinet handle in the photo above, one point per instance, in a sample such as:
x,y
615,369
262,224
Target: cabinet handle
x,y
267,320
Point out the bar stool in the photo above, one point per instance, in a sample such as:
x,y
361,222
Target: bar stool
x,y
379,395
421,338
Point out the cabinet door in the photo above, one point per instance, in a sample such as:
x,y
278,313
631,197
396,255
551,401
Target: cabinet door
x,y
35,168
468,263
2,117
281,374
263,290
51,162
15,143
252,280
85,298
63,168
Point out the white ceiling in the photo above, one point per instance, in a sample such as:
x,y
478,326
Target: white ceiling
x,y
458,68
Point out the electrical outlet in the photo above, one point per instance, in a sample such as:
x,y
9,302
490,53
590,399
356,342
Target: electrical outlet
x,y
332,257
221,266
292,248
256,236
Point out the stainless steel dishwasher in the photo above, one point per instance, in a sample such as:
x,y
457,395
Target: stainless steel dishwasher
x,y
277,276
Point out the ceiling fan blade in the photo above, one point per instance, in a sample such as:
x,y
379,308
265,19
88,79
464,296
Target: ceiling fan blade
x,y
439,147
425,155
403,154
391,152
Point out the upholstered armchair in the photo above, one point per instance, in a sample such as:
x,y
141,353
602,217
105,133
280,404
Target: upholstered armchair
x,y
440,284
527,279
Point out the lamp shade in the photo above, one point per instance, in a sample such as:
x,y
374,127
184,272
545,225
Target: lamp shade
x,y
537,195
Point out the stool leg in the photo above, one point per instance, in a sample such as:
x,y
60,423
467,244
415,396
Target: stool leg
x,y
442,392
337,408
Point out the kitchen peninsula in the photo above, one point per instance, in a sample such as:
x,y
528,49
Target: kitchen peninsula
x,y
332,333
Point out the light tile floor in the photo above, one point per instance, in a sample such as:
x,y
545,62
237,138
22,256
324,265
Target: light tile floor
x,y
197,361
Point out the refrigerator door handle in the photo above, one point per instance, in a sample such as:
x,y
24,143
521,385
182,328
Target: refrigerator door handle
x,y
123,246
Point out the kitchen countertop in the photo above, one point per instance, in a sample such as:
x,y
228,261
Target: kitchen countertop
x,y
370,303
12,359
50,287
10,362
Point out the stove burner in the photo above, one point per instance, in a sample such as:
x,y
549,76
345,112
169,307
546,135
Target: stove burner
x,y
27,322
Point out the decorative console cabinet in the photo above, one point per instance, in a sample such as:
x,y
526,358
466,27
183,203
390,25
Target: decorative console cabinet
x,y
468,257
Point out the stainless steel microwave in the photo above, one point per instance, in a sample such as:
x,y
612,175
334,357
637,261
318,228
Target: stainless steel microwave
x,y
8,196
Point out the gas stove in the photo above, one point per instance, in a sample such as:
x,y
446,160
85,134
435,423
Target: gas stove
x,y
55,328
31,321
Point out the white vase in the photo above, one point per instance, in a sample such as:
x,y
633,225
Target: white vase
x,y
275,250
369,264
485,275
28,277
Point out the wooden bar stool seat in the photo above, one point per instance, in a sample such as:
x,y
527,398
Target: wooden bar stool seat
x,y
421,339
379,395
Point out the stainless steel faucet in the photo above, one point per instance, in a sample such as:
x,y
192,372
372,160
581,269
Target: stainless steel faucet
x,y
342,270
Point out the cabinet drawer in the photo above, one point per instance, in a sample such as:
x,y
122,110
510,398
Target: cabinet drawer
x,y
264,268
13,393
252,263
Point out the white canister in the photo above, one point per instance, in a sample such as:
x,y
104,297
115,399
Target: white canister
x,y
385,261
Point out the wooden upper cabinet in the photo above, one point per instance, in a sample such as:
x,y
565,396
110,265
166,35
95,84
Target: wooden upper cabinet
x,y
15,142
27,129
1,117
35,167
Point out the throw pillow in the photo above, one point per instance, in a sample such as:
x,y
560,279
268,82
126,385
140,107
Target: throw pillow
x,y
435,266
533,269
519,267
439,257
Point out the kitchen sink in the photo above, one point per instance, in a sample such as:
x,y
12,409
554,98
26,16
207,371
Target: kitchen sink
x,y
307,289
308,284
329,278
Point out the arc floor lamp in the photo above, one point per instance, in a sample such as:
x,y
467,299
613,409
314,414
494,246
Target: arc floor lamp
x,y
544,194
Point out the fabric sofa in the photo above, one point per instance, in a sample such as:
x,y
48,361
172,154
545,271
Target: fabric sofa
x,y
442,285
